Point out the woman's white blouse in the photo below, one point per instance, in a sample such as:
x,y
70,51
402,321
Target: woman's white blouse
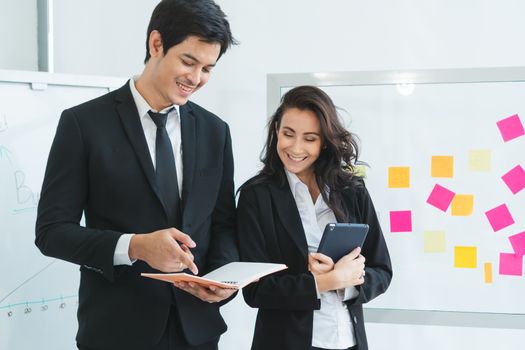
x,y
332,327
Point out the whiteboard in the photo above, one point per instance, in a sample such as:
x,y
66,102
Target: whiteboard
x,y
450,112
38,295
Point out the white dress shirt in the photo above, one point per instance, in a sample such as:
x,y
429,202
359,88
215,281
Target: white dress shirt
x,y
121,256
332,328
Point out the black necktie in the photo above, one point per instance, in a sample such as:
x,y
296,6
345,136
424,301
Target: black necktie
x,y
165,170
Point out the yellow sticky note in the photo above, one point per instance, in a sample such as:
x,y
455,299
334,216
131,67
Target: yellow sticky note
x,y
399,177
462,205
488,272
435,241
480,160
442,166
465,257
360,170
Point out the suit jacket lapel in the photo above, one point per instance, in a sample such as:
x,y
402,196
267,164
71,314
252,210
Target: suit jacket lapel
x,y
189,154
287,210
127,111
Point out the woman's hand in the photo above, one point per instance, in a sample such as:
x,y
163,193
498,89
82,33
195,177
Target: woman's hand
x,y
319,263
349,271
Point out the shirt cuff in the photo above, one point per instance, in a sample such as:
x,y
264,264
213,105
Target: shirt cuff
x,y
121,255
317,289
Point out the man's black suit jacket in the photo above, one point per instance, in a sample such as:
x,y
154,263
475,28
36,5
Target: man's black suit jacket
x,y
270,230
99,165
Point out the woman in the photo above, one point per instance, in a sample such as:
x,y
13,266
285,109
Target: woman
x,y
308,180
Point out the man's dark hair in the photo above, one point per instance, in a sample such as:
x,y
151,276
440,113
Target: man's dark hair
x,y
175,20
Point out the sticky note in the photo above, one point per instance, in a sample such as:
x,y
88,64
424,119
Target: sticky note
x,y
511,128
499,217
487,267
399,177
515,179
510,264
480,160
465,257
401,221
360,170
442,166
440,197
518,243
462,205
435,241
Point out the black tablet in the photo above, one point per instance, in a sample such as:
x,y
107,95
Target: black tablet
x,y
340,239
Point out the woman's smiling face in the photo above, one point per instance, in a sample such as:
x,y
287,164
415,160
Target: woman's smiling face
x,y
299,141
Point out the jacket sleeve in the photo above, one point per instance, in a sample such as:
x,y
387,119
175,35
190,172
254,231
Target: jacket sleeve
x,y
286,290
62,202
378,267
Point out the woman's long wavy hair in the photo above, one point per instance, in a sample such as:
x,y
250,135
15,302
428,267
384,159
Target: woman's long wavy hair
x,y
335,167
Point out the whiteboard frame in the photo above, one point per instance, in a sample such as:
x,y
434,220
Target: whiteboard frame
x,y
275,83
40,80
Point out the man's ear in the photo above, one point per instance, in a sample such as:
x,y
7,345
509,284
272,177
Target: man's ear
x,y
155,44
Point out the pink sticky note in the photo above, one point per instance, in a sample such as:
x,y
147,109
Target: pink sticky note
x,y
440,197
401,221
510,264
499,217
515,179
518,243
511,127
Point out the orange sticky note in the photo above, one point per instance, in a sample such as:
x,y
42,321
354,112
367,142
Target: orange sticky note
x,y
488,272
435,241
462,205
442,166
465,257
399,177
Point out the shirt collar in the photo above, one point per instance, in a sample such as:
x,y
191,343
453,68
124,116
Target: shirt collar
x,y
142,105
293,181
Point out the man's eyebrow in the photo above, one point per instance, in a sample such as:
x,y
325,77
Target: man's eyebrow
x,y
193,58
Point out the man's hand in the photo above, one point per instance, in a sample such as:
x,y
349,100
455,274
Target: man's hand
x,y
210,294
166,250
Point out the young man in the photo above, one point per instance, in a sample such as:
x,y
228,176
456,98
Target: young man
x,y
153,174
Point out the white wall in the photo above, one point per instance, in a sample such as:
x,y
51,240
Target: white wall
x,y
347,35
284,36
101,37
18,39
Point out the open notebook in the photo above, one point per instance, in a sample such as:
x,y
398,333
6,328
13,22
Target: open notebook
x,y
234,275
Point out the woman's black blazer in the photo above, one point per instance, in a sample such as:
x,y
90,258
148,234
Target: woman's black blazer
x,y
270,230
